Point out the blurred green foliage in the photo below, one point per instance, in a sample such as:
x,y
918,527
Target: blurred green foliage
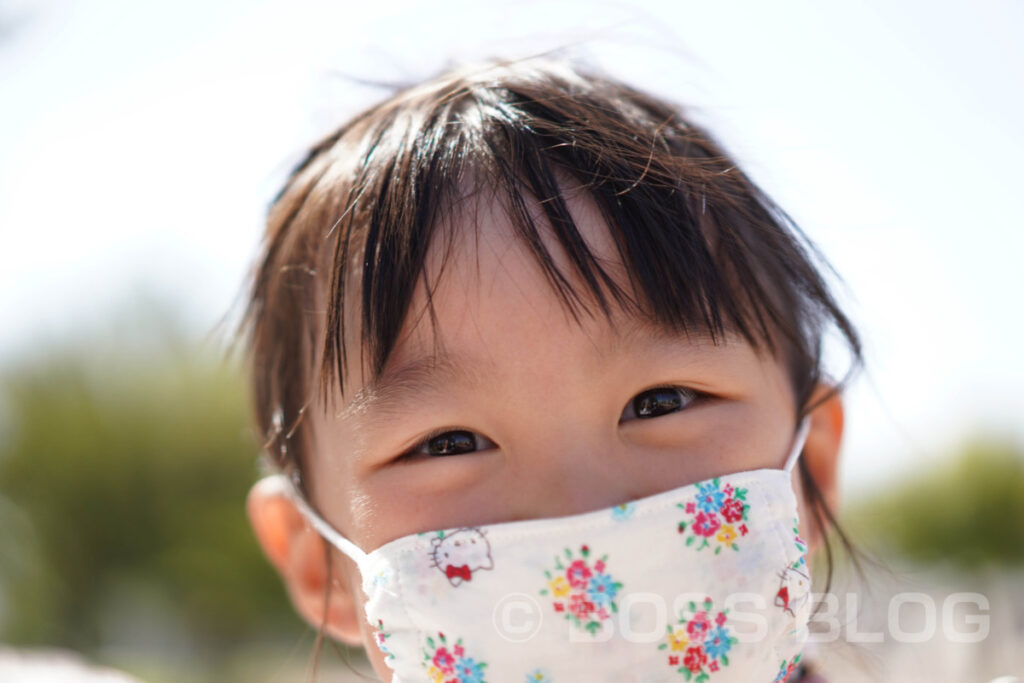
x,y
966,513
124,466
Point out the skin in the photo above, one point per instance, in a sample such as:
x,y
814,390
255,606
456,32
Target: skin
x,y
550,395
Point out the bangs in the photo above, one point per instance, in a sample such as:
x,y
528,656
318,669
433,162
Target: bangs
x,y
705,250
672,202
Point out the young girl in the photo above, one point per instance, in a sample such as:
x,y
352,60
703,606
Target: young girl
x,y
541,370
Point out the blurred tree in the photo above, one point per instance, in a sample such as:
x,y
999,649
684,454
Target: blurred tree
x,y
967,513
124,467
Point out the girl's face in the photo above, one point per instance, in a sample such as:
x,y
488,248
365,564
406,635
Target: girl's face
x,y
516,411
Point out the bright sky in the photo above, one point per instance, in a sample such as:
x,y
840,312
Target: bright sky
x,y
140,143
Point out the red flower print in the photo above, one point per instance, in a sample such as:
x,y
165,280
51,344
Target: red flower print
x,y
732,510
582,594
705,524
673,660
713,516
706,644
695,659
707,638
444,661
698,626
578,574
446,667
580,606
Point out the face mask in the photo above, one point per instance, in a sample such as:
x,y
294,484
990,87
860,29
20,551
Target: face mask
x,y
706,582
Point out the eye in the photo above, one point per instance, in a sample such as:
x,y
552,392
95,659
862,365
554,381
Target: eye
x,y
658,401
451,442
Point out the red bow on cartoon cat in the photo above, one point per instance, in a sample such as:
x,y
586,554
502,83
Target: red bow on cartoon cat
x,y
462,571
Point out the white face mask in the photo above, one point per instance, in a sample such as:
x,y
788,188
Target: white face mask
x,y
706,582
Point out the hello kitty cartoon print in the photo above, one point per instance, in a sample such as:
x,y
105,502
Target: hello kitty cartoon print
x,y
794,587
461,552
795,580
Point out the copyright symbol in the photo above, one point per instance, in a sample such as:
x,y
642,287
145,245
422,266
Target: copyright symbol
x,y
517,617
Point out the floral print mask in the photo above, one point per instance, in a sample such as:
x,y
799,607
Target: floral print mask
x,y
706,582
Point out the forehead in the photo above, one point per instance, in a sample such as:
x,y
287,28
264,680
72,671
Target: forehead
x,y
485,303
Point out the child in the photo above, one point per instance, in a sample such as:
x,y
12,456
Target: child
x,y
532,352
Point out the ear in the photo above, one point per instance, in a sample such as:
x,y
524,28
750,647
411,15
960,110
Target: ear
x,y
821,451
299,554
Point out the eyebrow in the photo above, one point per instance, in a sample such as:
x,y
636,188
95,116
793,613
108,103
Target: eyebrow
x,y
388,397
655,332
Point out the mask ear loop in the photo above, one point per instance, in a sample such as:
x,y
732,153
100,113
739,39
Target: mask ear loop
x,y
281,483
798,444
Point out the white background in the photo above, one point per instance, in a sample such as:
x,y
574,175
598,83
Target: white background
x,y
140,143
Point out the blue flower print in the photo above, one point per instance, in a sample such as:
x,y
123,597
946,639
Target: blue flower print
x,y
538,676
717,644
620,513
710,498
469,671
381,577
601,589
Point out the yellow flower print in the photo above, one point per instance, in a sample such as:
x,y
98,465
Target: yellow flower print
x,y
436,674
559,587
726,534
678,640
